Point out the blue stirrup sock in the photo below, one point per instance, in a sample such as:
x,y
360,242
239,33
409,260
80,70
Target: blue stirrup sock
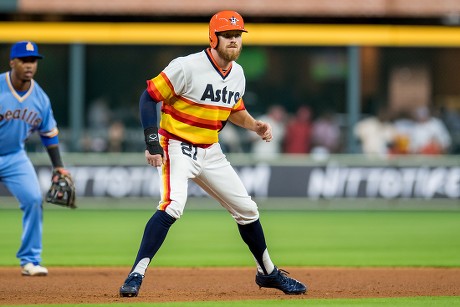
x,y
253,236
155,233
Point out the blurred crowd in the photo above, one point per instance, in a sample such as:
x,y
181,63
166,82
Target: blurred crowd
x,y
299,133
385,133
419,131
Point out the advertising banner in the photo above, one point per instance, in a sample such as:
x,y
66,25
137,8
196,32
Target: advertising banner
x,y
328,181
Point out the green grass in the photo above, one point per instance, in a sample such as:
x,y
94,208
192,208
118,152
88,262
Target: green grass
x,y
210,238
110,237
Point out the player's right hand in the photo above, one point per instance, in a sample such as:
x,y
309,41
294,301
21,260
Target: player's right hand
x,y
154,160
264,130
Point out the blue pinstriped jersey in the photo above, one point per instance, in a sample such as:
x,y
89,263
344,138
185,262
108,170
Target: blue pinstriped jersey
x,y
20,116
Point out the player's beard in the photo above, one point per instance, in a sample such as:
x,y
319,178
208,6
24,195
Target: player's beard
x,y
229,54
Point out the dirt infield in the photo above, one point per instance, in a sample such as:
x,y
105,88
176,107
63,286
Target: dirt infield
x,y
100,285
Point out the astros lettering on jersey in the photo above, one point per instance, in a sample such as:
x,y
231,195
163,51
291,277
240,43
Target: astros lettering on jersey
x,y
196,109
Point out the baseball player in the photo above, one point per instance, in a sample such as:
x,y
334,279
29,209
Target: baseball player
x,y
24,109
199,94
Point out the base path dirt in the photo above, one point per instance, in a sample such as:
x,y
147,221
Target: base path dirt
x,y
100,285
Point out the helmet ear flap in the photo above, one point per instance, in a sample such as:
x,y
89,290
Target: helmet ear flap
x,y
213,40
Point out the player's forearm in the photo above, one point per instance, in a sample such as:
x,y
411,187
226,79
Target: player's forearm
x,y
243,119
52,147
148,111
55,156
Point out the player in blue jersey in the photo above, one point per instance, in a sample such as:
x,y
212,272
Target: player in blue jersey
x,y
24,109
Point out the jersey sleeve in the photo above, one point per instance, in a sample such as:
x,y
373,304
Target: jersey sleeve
x,y
169,84
239,106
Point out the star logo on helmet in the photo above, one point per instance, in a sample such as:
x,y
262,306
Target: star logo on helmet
x,y
233,20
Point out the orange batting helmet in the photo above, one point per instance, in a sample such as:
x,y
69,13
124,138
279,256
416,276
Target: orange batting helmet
x,y
224,21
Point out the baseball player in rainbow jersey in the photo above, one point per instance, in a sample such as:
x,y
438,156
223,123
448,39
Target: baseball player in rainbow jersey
x,y
199,94
24,109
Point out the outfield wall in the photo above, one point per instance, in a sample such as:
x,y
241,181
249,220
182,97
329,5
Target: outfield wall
x,y
333,177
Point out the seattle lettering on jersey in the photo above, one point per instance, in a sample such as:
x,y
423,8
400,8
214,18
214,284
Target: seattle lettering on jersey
x,y
25,115
219,95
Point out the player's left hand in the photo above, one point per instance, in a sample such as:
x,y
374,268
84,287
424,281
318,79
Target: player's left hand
x,y
62,190
154,160
264,130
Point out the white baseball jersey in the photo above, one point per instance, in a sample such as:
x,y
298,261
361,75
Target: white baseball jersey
x,y
198,97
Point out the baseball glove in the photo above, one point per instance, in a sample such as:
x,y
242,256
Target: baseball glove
x,y
62,190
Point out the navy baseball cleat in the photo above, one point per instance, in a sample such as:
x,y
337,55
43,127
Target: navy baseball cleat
x,y
132,285
279,280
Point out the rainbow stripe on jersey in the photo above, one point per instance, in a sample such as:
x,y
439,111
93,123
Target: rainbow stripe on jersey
x,y
198,97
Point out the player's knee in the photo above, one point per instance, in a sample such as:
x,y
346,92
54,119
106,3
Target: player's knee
x,y
31,202
37,200
247,216
175,213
